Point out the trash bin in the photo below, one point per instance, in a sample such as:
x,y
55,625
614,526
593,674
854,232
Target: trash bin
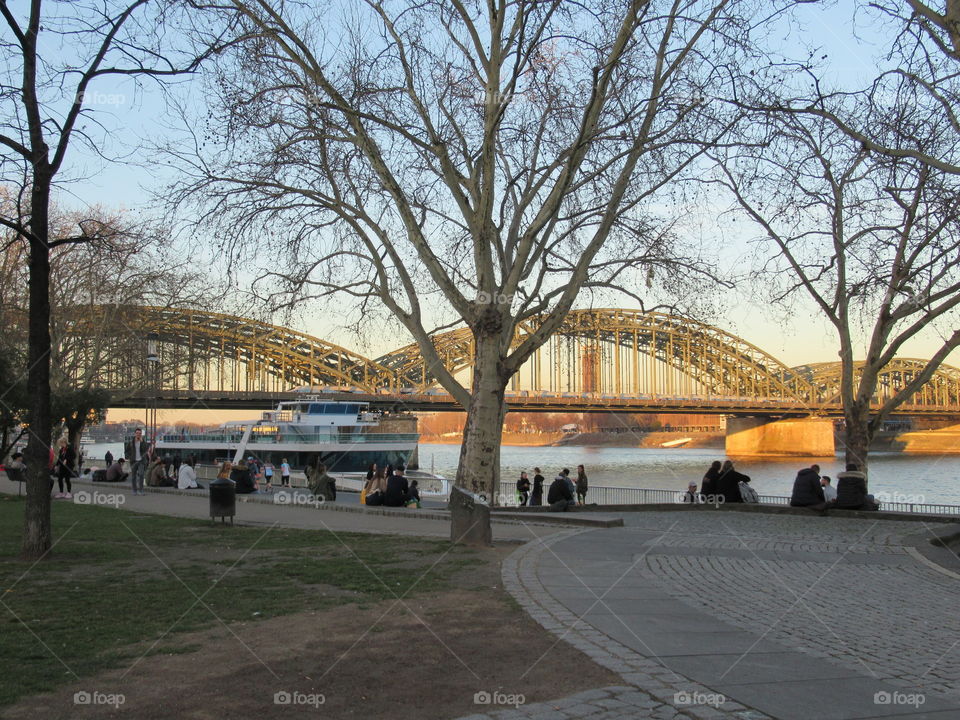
x,y
223,499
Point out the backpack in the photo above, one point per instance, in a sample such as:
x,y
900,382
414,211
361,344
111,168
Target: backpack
x,y
748,494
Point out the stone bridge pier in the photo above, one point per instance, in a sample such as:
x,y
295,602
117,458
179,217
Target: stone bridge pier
x,y
753,436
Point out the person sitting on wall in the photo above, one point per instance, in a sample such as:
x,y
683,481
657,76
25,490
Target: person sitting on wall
x,y
807,490
829,491
691,495
560,496
852,490
728,484
376,488
187,476
158,474
398,489
115,472
240,474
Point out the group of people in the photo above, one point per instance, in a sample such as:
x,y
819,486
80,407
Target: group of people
x,y
722,483
389,487
814,491
560,494
254,476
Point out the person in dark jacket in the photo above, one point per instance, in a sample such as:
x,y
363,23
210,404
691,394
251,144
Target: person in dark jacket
x,y
108,459
852,490
240,474
559,496
523,489
708,485
582,485
536,497
807,490
728,484
398,489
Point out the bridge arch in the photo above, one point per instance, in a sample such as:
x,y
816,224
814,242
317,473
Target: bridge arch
x,y
200,349
941,390
626,351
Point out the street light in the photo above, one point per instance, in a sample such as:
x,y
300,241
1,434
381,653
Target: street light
x,y
153,371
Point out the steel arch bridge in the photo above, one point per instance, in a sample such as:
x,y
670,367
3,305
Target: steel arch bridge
x,y
606,353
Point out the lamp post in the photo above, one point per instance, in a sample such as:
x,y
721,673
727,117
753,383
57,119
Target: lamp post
x,y
153,379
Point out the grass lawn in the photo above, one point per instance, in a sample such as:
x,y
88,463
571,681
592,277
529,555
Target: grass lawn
x,y
119,585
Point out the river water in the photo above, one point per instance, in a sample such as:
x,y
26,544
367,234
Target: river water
x,y
910,478
921,478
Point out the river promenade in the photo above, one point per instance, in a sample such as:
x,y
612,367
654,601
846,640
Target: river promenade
x,y
716,614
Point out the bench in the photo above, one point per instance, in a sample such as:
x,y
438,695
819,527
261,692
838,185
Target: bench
x,y
16,475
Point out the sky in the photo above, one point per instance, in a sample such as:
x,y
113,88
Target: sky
x,y
137,118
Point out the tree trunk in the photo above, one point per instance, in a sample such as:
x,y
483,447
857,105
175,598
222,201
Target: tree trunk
x,y
37,534
479,468
857,436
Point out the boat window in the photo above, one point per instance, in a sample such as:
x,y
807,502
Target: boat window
x,y
352,409
332,410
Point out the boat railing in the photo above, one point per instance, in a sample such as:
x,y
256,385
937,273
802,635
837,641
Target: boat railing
x,y
291,438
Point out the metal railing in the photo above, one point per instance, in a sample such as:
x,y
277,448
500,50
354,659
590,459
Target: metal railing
x,y
608,495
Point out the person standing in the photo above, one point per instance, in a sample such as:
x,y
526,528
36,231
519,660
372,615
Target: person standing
x,y
65,460
582,486
284,473
536,498
523,489
135,451
108,459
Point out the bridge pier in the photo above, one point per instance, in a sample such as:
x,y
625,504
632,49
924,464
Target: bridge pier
x,y
752,436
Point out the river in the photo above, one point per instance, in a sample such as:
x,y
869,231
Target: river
x,y
912,478
924,478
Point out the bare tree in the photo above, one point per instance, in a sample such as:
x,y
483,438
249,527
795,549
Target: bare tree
x,y
93,287
873,241
921,61
55,58
468,162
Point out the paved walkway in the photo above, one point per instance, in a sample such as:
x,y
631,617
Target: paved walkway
x,y
716,614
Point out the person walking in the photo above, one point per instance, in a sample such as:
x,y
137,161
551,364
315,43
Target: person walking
x,y
268,470
136,451
536,498
582,486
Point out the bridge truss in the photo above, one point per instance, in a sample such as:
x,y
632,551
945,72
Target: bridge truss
x,y
613,354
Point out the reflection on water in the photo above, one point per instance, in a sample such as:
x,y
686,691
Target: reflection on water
x,y
935,477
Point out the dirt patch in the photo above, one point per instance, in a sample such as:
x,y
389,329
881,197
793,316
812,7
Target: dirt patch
x,y
424,657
